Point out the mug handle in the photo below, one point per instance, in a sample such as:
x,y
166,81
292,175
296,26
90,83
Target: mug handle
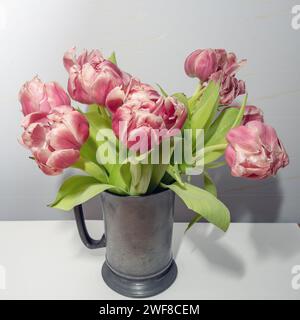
x,y
87,240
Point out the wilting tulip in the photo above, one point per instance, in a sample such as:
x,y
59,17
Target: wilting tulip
x,y
219,66
231,65
201,64
254,151
55,138
36,96
143,124
231,87
91,77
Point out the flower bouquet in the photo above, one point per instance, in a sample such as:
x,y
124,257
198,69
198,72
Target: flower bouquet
x,y
135,142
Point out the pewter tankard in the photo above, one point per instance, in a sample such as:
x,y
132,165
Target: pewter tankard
x,y
138,240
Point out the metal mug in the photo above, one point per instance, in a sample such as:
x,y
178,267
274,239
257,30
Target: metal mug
x,y
138,241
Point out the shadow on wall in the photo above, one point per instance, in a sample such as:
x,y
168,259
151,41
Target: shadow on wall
x,y
249,200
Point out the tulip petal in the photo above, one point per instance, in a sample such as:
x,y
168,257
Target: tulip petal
x,y
62,138
63,159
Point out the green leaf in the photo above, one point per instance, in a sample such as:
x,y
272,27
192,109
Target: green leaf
x,y
196,96
158,172
240,115
214,152
141,177
96,122
88,150
162,91
216,134
174,172
203,203
77,190
209,184
93,108
181,97
195,219
215,165
205,108
113,58
120,177
95,170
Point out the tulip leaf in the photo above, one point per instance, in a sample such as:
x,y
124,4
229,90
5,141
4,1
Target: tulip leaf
x,y
95,170
215,165
216,134
140,178
195,219
205,108
158,172
240,115
181,97
203,203
96,122
174,172
77,190
88,150
162,91
214,152
113,58
120,177
93,108
209,184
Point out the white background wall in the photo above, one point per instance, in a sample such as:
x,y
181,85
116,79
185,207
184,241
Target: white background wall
x,y
152,39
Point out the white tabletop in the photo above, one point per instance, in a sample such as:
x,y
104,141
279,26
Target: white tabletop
x,y
46,260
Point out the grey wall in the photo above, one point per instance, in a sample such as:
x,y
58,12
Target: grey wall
x,y
152,39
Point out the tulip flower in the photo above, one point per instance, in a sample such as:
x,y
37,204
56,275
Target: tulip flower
x,y
55,138
254,151
219,66
252,113
36,96
148,122
201,64
91,77
136,90
230,88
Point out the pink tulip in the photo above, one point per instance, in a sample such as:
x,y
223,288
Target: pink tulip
x,y
142,124
36,96
251,113
55,138
136,90
201,64
91,77
231,87
231,65
219,66
254,151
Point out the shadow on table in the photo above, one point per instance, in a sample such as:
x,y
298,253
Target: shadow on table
x,y
278,240
208,240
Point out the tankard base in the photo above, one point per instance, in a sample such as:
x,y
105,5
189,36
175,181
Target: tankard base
x,y
140,288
